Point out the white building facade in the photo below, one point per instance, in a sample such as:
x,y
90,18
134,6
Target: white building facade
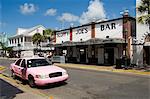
x,y
97,42
142,56
23,38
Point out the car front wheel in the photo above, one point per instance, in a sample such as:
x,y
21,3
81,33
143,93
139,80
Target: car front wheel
x,y
31,82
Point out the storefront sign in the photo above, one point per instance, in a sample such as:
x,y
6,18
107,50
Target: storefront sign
x,y
113,29
82,30
108,26
81,34
62,36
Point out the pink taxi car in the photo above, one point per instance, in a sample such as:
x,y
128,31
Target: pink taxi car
x,y
38,71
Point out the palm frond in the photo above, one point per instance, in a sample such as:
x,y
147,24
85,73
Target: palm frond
x,y
145,19
144,6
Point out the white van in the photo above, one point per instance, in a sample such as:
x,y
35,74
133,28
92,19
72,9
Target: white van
x,y
27,54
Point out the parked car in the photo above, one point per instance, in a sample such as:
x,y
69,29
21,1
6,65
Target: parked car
x,y
38,71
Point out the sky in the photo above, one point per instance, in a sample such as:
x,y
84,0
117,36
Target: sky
x,y
58,14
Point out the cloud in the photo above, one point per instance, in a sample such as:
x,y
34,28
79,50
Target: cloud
x,y
51,12
27,9
68,17
94,11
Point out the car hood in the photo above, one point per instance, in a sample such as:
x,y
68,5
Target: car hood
x,y
45,69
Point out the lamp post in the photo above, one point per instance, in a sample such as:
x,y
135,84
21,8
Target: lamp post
x,y
125,60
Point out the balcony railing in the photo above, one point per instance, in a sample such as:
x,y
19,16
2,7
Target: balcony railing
x,y
31,46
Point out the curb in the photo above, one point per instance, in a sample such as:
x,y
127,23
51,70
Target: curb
x,y
5,74
98,68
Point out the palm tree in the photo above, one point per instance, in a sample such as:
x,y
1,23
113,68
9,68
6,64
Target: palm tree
x,y
37,38
143,8
47,34
4,48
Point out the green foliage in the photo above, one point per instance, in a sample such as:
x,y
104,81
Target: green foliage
x,y
144,19
143,8
9,49
47,34
3,46
37,38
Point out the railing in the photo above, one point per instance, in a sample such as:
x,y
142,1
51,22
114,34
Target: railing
x,y
31,46
44,43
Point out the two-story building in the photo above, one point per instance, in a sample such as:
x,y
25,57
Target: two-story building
x,y
22,41
97,42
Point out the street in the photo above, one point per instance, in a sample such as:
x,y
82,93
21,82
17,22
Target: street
x,y
87,84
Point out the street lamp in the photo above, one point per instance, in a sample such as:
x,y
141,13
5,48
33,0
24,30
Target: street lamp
x,y
125,60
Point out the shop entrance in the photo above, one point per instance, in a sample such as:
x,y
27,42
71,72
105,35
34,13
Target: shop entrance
x,y
109,56
82,55
147,55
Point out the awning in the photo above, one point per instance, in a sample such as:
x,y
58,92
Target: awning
x,y
93,41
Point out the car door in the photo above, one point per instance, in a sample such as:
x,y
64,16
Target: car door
x,y
23,68
17,67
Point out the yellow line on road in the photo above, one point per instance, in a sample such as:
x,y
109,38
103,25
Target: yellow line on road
x,y
2,68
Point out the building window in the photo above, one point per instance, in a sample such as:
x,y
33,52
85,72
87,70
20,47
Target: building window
x,y
12,41
15,41
18,40
21,39
25,39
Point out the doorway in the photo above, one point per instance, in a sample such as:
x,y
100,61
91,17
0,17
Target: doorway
x,y
82,55
147,55
109,56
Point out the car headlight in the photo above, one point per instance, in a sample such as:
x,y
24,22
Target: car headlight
x,y
64,73
42,76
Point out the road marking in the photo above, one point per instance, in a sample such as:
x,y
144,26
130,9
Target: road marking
x,y
51,97
2,67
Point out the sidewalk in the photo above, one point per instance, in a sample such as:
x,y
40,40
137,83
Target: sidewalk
x,y
10,89
104,68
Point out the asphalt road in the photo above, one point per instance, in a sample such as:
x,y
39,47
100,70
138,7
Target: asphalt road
x,y
85,84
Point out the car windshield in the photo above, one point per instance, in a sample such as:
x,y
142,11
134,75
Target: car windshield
x,y
37,63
